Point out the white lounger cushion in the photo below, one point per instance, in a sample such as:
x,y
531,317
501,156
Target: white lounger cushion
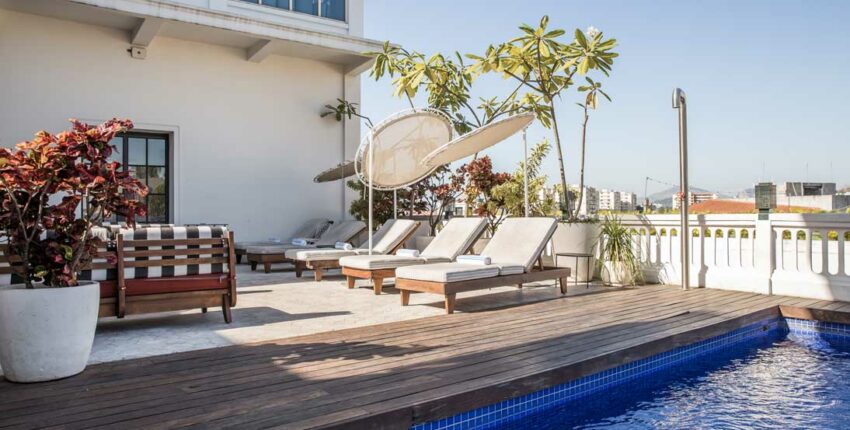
x,y
343,231
312,228
456,237
389,236
447,272
375,262
513,250
272,249
319,254
519,241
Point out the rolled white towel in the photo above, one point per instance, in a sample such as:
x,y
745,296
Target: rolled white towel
x,y
482,260
299,242
408,253
343,245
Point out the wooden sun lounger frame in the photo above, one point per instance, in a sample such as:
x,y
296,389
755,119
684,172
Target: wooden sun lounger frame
x,y
450,289
377,276
268,259
318,266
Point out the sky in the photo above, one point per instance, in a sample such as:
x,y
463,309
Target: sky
x,y
768,85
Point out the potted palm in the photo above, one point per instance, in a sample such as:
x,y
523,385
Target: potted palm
x,y
54,190
619,264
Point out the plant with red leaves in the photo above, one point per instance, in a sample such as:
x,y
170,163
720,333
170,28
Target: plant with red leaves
x,y
53,190
480,181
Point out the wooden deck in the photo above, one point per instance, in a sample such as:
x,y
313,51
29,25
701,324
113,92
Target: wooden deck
x,y
391,375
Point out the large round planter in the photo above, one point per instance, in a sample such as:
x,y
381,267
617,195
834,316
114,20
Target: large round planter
x,y
46,333
577,238
616,273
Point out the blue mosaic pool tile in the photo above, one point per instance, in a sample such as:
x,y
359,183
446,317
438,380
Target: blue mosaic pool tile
x,y
495,415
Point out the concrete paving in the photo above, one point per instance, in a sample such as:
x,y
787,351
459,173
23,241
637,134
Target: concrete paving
x,y
278,305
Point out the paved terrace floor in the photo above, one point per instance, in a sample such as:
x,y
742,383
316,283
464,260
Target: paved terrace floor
x,y
391,375
279,305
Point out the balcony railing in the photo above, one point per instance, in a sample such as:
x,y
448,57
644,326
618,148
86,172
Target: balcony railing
x,y
803,255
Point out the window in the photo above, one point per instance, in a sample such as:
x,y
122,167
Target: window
x,y
146,157
331,9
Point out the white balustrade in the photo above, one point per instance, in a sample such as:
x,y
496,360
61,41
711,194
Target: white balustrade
x,y
807,255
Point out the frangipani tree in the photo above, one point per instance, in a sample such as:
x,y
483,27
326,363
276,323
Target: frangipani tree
x,y
591,100
512,193
447,82
542,62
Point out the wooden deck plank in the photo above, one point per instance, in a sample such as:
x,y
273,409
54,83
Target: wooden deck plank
x,y
266,383
389,375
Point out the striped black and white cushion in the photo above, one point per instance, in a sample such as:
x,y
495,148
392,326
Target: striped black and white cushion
x,y
163,233
110,274
5,278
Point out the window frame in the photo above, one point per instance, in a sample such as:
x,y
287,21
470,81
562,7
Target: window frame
x,y
124,152
290,9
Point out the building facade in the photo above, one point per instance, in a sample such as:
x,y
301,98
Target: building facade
x,y
609,200
225,96
694,198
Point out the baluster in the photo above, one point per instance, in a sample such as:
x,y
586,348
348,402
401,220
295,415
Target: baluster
x,y
824,252
738,233
780,250
807,255
841,270
728,248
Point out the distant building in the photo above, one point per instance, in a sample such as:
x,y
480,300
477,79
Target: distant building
x,y
610,200
816,195
694,198
628,201
589,201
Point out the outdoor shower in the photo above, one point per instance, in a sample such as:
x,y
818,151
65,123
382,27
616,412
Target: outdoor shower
x,y
680,102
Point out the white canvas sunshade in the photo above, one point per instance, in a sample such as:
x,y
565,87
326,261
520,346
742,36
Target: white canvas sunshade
x,y
477,140
399,143
340,171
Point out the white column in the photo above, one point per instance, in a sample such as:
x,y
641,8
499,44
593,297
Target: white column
x,y
764,255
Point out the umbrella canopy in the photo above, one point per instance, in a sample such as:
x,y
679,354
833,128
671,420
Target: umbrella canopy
x,y
398,144
340,171
477,140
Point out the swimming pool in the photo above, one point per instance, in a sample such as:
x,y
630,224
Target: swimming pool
x,y
779,373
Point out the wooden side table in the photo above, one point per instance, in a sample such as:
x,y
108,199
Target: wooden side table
x,y
578,256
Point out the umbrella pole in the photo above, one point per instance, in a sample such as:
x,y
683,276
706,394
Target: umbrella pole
x,y
395,204
525,170
370,193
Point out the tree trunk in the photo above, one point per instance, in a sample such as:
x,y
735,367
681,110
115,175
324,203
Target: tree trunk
x,y
564,190
581,170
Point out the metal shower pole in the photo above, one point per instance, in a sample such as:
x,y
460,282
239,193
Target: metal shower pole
x,y
371,138
680,102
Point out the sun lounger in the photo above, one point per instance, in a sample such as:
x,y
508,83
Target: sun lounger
x,y
513,250
456,238
312,229
344,231
387,240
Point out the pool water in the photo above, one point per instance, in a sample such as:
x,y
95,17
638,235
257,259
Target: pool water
x,y
779,381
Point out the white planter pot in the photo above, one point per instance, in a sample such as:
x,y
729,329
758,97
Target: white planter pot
x,y
576,238
615,273
46,333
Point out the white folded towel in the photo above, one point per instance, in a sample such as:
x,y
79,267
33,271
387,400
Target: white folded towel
x,y
343,245
408,253
481,260
300,242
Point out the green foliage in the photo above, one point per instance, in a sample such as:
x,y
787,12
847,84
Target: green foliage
x,y
617,246
511,193
438,191
481,181
382,207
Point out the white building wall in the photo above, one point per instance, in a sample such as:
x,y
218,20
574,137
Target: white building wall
x,y
247,137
